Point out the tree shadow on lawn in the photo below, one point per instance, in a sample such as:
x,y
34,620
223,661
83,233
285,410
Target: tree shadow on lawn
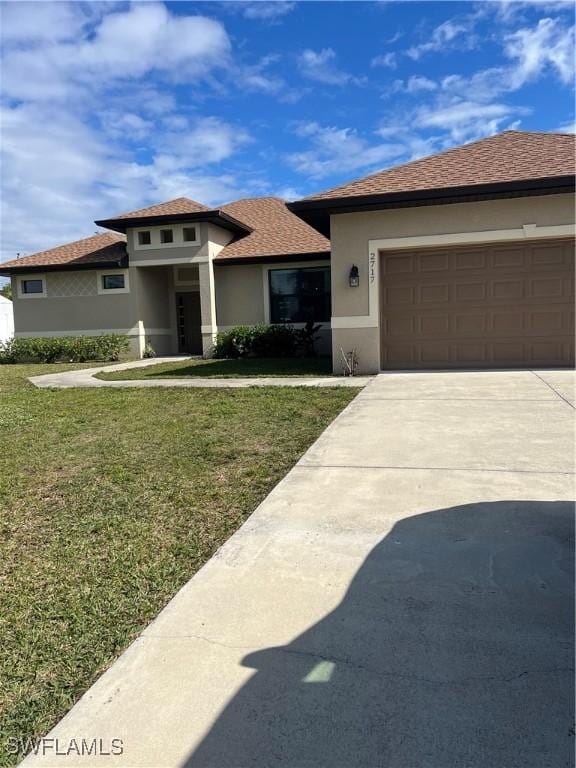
x,y
287,366
451,649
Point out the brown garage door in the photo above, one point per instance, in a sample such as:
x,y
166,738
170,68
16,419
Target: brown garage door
x,y
489,306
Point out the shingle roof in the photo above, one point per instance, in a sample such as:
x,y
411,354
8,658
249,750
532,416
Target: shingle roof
x,y
170,208
507,157
107,247
276,231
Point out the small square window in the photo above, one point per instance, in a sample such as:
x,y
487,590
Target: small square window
x,y
144,238
112,282
32,286
189,234
166,236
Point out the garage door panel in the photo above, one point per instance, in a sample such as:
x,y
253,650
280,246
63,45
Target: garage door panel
x,y
549,255
518,310
433,294
467,261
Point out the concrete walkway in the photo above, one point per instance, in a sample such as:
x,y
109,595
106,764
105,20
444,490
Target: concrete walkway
x,y
403,598
86,378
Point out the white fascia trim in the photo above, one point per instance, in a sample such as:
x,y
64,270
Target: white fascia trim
x,y
525,232
354,321
108,291
167,262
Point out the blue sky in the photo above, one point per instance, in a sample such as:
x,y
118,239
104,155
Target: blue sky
x,y
109,106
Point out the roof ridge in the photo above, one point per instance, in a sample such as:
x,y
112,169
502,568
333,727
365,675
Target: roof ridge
x,y
257,197
411,162
533,133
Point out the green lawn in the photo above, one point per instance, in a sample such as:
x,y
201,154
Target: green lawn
x,y
229,369
109,501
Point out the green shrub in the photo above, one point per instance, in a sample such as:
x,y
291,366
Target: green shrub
x,y
274,341
266,341
237,342
149,351
77,349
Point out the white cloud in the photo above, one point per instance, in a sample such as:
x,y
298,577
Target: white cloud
x,y
465,120
127,44
92,128
545,49
321,66
40,22
261,9
338,150
61,173
508,11
418,83
549,45
446,33
569,127
389,60
257,77
203,141
125,125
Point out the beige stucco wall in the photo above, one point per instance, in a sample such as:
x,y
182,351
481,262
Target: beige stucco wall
x,y
90,312
153,294
172,254
351,233
241,297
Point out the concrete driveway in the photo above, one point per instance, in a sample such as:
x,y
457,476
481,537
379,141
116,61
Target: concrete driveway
x,y
402,599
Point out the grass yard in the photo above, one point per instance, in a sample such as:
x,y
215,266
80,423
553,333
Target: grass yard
x,y
109,501
229,369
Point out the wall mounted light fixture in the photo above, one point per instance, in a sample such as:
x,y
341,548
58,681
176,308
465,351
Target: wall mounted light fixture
x,y
354,277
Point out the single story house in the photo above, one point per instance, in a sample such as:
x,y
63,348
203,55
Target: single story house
x,y
464,259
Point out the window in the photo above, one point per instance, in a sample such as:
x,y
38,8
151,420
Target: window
x,y
144,238
32,286
300,295
113,282
189,234
166,236
110,283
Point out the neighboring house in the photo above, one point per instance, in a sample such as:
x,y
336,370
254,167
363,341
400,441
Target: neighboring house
x,y
462,259
6,319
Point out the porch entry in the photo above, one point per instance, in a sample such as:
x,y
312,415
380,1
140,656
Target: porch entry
x,y
188,323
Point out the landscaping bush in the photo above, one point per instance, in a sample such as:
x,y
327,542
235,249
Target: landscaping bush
x,y
266,341
274,341
237,342
76,349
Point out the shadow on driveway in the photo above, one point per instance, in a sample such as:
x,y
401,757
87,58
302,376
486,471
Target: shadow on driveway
x,y
453,647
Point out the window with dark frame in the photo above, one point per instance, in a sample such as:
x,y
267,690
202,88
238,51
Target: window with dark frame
x,y
189,234
32,286
300,295
144,238
113,282
166,236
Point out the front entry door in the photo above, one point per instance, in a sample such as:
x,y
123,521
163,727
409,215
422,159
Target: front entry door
x,y
188,322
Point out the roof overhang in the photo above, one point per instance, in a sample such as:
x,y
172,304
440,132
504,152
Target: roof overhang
x,y
217,217
317,212
67,267
276,259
